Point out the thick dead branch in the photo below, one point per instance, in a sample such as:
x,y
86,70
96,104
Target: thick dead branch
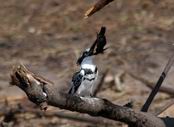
x,y
41,92
96,7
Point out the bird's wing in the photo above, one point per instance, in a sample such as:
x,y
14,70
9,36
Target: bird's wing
x,y
75,83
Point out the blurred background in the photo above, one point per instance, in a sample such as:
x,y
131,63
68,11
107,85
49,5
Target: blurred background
x,y
48,35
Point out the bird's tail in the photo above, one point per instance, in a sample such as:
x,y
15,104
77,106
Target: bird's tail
x,y
102,31
99,43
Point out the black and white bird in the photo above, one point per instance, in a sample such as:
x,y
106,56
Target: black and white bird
x,y
84,81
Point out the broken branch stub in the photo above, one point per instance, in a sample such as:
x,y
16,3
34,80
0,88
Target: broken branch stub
x,y
30,84
96,7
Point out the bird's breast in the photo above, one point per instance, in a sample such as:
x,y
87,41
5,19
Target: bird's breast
x,y
88,66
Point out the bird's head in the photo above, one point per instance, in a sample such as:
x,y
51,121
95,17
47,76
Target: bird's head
x,y
96,48
85,54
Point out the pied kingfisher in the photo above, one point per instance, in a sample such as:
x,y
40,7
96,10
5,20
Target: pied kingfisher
x,y
84,81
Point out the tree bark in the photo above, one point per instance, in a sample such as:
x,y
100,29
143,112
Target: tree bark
x,y
43,93
96,7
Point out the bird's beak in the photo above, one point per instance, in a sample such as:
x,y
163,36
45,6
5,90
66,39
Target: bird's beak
x,y
79,61
92,48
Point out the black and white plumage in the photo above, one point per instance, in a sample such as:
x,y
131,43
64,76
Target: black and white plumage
x,y
76,82
97,47
101,41
84,81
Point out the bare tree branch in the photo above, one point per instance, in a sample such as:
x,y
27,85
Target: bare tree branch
x,y
165,107
168,89
41,92
96,7
158,85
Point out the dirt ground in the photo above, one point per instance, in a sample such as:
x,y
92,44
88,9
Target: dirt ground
x,y
48,35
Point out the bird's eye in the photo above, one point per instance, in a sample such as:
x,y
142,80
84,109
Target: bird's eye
x,y
85,54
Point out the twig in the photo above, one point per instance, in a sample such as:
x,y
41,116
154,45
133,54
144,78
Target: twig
x,y
96,7
158,85
12,111
86,119
165,89
165,107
